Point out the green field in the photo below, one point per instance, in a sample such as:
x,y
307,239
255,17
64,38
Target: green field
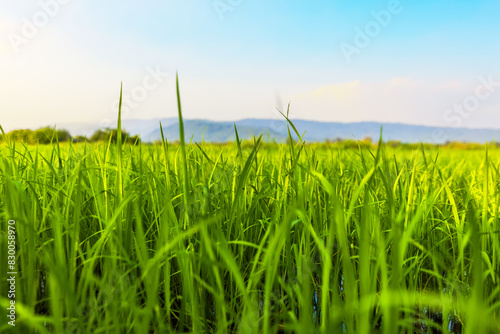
x,y
254,238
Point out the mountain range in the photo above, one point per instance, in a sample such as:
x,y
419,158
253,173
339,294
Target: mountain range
x,y
223,131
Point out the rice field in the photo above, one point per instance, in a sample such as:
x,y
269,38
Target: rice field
x,y
254,238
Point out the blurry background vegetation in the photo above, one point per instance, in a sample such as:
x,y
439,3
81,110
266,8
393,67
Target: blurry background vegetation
x,y
47,135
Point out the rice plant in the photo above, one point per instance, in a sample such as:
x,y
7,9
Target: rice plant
x,y
257,238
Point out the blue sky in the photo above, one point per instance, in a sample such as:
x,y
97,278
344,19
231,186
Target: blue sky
x,y
425,64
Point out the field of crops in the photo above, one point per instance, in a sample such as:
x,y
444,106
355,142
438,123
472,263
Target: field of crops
x,y
255,238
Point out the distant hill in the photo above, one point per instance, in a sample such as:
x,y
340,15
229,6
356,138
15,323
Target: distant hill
x,y
214,131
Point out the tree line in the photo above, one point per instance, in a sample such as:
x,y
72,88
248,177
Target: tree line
x,y
47,135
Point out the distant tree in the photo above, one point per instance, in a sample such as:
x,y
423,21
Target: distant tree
x,y
40,136
46,135
22,135
104,135
80,139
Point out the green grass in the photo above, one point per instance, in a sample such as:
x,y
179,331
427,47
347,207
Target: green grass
x,y
269,238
